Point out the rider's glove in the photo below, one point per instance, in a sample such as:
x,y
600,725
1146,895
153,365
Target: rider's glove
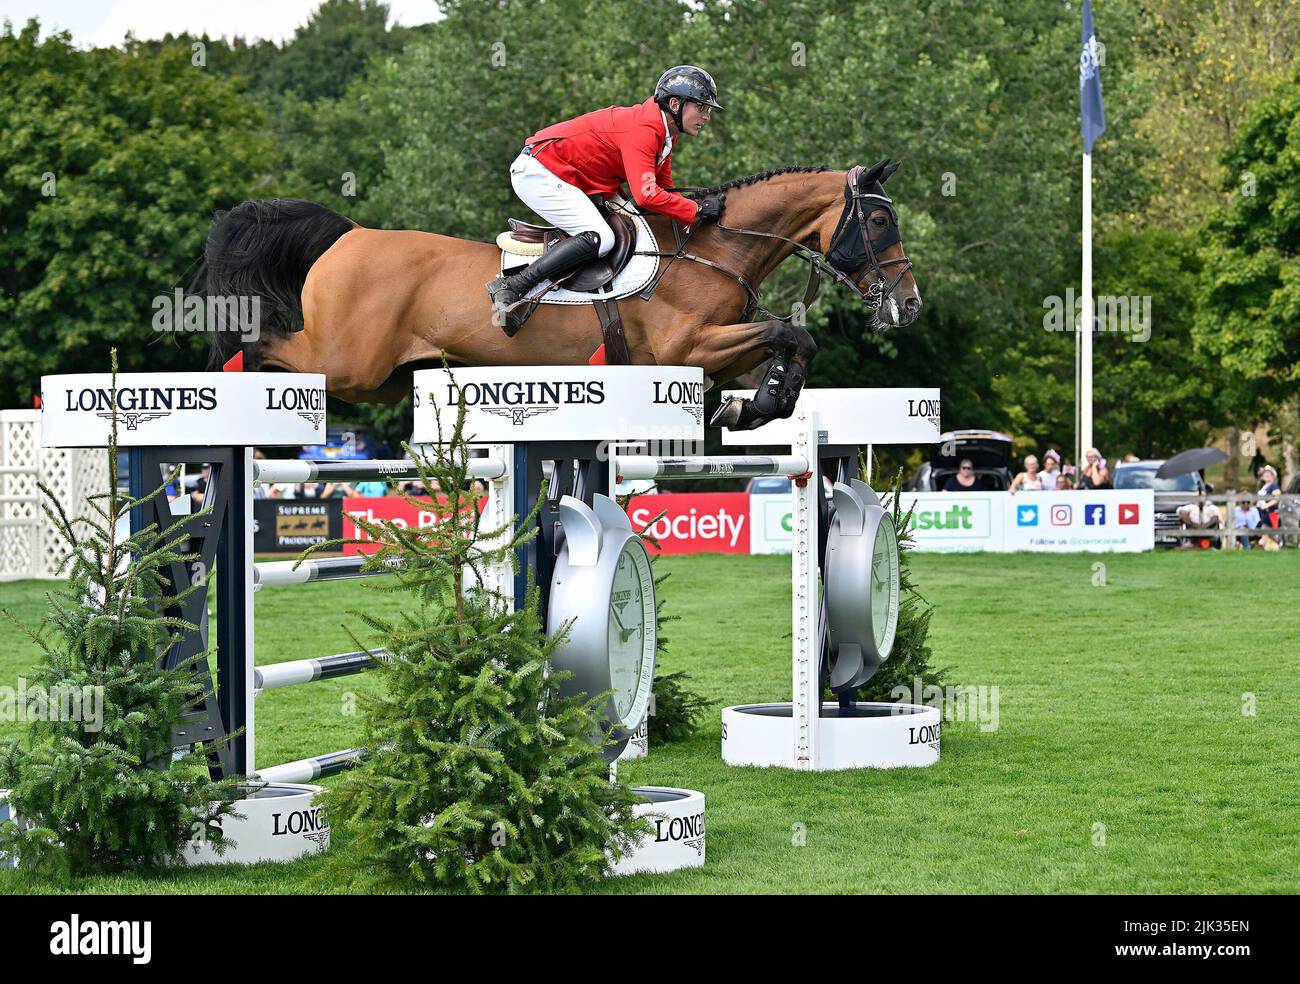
x,y
710,207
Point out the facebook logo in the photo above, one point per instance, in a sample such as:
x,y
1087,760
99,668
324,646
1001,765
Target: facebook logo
x,y
1026,515
1094,515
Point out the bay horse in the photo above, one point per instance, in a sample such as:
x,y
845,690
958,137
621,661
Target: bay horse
x,y
366,307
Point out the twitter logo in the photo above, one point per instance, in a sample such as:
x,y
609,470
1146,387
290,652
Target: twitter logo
x,y
1026,515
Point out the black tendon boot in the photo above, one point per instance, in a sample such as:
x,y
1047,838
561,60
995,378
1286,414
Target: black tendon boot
x,y
767,398
508,293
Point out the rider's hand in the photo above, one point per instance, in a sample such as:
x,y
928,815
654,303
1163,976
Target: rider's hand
x,y
710,207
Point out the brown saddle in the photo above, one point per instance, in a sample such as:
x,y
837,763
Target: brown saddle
x,y
590,276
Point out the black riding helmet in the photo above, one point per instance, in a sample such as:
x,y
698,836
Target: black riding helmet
x,y
685,82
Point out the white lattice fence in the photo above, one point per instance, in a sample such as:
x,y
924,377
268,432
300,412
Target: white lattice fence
x,y
29,547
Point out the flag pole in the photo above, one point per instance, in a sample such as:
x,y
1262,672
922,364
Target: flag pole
x,y
1092,124
1086,320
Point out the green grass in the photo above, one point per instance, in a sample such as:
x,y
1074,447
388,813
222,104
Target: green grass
x,y
1119,705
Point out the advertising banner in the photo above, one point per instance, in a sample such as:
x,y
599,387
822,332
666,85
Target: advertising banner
x,y
378,508
1067,522
558,403
704,522
293,525
956,522
180,409
770,529
1107,520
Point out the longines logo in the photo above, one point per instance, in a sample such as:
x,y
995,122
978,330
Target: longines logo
x,y
295,398
137,405
308,822
929,409
688,830
688,396
309,403
927,734
520,400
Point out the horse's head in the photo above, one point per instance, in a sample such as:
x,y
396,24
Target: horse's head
x,y
866,247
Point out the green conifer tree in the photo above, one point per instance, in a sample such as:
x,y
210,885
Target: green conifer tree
x,y
105,791
480,777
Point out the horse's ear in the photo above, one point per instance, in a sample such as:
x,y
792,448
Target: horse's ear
x,y
872,174
890,169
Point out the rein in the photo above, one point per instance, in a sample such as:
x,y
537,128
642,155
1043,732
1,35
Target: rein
x,y
851,248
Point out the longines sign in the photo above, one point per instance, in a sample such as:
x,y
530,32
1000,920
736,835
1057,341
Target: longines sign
x,y
237,409
508,404
905,415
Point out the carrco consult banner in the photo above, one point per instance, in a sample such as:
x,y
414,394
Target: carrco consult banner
x,y
1062,522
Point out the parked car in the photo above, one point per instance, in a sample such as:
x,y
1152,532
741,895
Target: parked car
x,y
347,444
989,452
1170,493
769,485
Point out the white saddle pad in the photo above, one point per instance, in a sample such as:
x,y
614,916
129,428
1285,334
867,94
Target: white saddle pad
x,y
640,270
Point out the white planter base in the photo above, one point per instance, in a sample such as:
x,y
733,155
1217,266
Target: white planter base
x,y
678,839
279,823
881,736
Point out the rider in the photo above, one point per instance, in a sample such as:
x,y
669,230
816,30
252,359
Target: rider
x,y
593,154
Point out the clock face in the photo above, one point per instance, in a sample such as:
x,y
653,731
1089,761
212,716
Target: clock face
x,y
632,633
884,586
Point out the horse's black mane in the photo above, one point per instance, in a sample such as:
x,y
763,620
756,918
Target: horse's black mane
x,y
755,178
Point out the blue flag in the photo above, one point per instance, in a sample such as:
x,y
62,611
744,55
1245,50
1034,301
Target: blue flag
x,y
1092,121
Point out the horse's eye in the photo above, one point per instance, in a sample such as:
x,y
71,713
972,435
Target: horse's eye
x,y
879,221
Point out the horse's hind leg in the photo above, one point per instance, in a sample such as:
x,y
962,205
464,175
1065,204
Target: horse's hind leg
x,y
742,347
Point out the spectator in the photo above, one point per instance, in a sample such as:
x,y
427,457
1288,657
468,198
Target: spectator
x,y
371,490
1199,515
1051,472
964,479
1064,483
201,487
1095,473
1246,518
1269,498
1030,480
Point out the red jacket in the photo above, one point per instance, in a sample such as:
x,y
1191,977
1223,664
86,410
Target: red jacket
x,y
596,152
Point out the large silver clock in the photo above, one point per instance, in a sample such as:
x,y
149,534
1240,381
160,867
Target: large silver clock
x,y
862,584
604,589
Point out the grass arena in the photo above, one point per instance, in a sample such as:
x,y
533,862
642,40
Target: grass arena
x,y
1105,716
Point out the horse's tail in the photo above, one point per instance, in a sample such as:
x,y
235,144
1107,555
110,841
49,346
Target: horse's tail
x,y
264,250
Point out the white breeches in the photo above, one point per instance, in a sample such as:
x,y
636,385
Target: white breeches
x,y
557,201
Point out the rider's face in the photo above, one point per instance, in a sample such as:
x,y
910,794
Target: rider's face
x,y
694,117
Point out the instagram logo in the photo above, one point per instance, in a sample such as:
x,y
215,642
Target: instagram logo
x,y
1062,515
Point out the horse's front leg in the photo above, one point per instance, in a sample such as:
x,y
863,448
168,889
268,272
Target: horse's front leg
x,y
791,349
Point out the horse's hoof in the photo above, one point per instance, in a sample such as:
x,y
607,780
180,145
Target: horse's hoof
x,y
736,413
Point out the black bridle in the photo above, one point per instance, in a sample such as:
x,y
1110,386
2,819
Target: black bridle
x,y
851,249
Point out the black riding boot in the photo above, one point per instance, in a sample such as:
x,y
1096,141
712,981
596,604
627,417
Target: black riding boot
x,y
508,292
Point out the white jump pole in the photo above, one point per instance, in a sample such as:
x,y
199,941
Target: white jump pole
x,y
718,466
805,599
293,472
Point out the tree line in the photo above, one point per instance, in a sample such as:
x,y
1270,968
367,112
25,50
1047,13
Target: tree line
x,y
113,161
